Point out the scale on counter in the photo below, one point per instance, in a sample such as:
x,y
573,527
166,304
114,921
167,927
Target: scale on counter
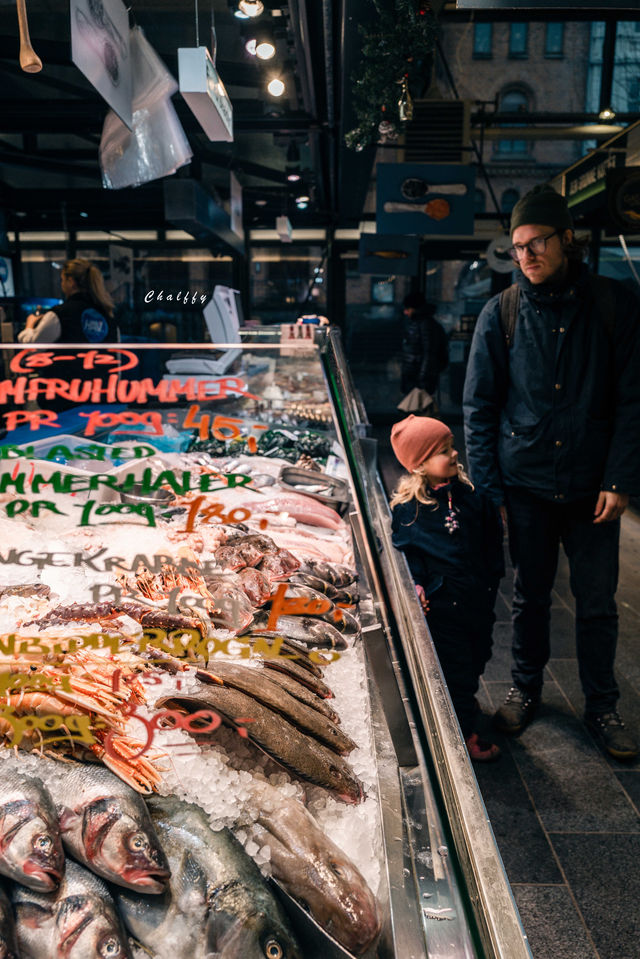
x,y
223,316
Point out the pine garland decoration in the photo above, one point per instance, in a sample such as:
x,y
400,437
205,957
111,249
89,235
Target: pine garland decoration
x,y
399,45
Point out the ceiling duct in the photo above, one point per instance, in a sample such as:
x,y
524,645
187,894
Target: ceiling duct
x,y
440,132
187,205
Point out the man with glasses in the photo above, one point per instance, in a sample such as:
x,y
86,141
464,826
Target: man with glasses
x,y
552,428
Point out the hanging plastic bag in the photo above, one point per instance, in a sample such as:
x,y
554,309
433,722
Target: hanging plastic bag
x,y
157,146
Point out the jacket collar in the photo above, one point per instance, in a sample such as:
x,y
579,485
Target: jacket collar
x,y
567,291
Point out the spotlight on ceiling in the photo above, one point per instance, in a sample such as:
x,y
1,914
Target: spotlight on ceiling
x,y
276,87
240,15
302,202
607,114
293,177
260,47
265,50
251,8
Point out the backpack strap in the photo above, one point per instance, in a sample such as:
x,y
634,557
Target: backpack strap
x,y
509,305
601,291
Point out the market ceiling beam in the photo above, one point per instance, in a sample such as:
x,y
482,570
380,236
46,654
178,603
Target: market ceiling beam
x,y
86,114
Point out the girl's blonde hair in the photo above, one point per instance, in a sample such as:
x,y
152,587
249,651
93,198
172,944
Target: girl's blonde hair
x,y
89,281
416,486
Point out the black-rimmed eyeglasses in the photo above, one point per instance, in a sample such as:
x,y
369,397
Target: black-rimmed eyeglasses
x,y
536,246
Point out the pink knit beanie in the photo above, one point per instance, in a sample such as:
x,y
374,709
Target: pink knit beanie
x,y
416,438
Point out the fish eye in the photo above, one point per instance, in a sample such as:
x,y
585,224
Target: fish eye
x,y
43,843
110,947
137,841
273,950
337,869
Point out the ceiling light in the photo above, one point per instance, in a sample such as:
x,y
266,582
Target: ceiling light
x,y
276,87
240,15
293,177
84,215
606,114
261,202
252,8
250,47
265,50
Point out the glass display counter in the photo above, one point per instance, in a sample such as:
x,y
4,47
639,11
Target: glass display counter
x,y
218,688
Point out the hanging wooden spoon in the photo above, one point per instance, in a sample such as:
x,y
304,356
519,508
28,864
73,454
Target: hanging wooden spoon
x,y
29,59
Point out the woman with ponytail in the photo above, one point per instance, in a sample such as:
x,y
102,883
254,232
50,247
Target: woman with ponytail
x,y
86,316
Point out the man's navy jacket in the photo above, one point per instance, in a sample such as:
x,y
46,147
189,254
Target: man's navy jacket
x,y
557,413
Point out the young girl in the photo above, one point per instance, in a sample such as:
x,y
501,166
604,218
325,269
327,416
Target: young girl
x,y
452,538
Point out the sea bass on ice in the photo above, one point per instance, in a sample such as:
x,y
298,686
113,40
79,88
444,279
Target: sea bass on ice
x,y
30,844
105,825
79,921
218,902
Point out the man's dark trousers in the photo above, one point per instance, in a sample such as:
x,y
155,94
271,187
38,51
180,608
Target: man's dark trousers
x,y
536,528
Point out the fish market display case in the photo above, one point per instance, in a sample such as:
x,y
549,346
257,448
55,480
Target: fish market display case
x,y
218,689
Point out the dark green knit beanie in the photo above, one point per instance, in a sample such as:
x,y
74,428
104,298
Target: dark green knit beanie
x,y
544,206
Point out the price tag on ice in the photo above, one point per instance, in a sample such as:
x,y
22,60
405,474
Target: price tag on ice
x,y
296,334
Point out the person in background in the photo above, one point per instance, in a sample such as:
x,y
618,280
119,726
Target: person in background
x,y
425,350
552,428
86,316
452,539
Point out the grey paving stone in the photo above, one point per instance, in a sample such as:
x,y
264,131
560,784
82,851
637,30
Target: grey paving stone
x,y
630,782
571,786
552,923
566,675
603,874
525,850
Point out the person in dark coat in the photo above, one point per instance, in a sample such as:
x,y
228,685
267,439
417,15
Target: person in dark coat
x,y
86,316
452,539
552,427
425,350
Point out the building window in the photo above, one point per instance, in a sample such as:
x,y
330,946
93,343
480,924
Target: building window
x,y
479,201
554,40
513,101
508,200
518,39
482,41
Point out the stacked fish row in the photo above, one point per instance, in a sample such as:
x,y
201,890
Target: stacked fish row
x,y
285,698
290,719
91,864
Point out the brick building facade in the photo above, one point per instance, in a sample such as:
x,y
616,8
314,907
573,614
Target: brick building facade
x,y
524,68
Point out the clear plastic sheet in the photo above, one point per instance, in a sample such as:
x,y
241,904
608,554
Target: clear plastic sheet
x,y
157,146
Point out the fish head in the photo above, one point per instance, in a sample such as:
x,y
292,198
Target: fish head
x,y
30,846
258,935
120,844
356,923
88,929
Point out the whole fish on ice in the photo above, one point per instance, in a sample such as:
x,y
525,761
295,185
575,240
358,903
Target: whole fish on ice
x,y
254,683
30,844
300,754
318,874
78,921
105,825
218,903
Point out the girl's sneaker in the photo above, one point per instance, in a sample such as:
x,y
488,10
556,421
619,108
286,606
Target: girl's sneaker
x,y
481,751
